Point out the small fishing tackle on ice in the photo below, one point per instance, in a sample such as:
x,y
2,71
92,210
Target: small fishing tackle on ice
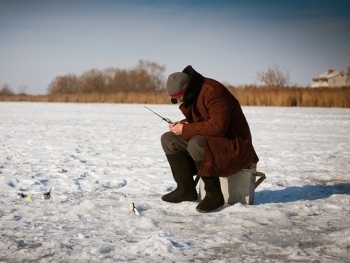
x,y
21,195
132,206
47,195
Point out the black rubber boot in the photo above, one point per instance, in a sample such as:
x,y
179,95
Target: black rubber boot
x,y
213,196
183,176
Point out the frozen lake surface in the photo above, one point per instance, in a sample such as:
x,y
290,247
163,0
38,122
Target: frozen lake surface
x,y
98,157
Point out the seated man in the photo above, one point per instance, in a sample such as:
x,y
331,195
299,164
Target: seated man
x,y
212,141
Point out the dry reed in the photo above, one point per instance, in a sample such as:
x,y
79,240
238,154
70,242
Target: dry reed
x,y
247,95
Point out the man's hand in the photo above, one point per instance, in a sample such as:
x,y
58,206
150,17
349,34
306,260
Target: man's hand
x,y
176,127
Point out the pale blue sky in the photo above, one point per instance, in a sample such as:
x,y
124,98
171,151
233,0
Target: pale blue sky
x,y
227,40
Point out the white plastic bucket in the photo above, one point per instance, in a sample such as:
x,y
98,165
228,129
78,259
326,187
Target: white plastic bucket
x,y
239,187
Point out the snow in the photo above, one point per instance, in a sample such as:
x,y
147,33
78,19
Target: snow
x,y
100,157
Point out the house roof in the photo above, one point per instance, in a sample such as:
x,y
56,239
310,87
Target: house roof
x,y
328,74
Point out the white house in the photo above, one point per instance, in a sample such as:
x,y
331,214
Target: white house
x,y
332,79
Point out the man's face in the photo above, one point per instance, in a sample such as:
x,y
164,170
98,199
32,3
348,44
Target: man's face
x,y
180,99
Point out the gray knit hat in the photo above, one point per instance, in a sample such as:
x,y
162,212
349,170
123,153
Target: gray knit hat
x,y
177,84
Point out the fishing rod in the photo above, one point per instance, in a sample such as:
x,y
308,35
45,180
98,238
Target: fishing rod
x,y
164,119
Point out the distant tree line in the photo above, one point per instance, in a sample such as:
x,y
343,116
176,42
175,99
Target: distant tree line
x,y
145,77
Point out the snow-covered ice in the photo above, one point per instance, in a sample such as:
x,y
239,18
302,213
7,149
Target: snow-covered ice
x,y
100,157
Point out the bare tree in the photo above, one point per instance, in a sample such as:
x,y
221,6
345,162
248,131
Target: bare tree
x,y
273,76
122,81
64,84
153,75
146,76
92,81
6,90
22,90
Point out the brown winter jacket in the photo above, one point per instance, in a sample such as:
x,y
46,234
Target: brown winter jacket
x,y
212,111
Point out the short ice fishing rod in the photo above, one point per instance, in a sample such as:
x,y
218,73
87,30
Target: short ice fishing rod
x,y
164,119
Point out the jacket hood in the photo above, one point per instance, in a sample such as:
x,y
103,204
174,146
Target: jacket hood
x,y
194,87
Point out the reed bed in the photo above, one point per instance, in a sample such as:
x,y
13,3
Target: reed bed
x,y
247,95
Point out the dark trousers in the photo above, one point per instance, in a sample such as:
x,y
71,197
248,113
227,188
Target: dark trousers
x,y
173,144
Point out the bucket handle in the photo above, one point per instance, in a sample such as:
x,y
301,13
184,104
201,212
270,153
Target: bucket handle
x,y
262,178
257,183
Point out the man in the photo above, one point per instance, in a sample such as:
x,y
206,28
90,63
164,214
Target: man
x,y
212,141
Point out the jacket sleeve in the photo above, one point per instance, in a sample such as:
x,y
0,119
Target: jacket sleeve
x,y
216,115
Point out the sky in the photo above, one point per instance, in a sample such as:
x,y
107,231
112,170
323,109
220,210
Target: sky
x,y
230,41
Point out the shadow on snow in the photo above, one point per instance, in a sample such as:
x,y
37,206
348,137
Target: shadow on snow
x,y
297,193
